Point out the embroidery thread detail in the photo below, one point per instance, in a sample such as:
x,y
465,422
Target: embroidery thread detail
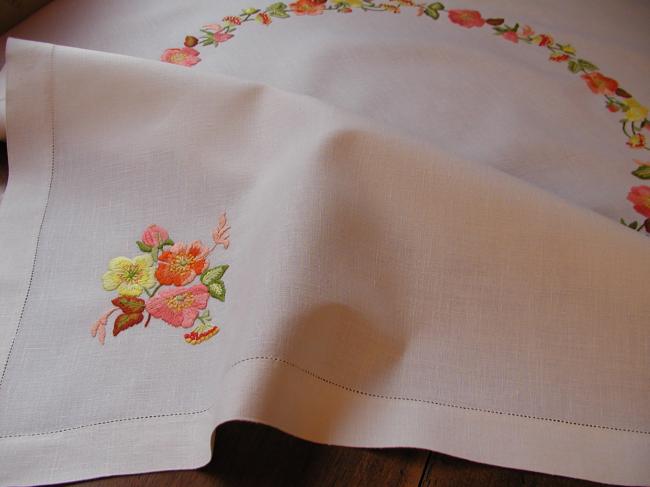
x,y
164,273
635,116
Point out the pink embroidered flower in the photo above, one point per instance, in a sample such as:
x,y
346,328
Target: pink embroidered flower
x,y
180,264
639,196
179,307
467,18
307,7
154,236
185,56
637,141
599,84
559,57
510,36
218,34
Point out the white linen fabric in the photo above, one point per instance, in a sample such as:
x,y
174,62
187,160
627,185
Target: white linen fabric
x,y
420,256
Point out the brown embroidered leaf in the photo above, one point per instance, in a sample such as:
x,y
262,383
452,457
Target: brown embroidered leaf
x,y
129,304
495,21
622,93
125,321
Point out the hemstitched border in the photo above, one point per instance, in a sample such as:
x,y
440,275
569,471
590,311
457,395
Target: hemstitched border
x,y
345,388
40,228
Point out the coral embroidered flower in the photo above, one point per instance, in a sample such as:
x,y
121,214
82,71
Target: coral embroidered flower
x,y
635,111
307,7
181,263
559,57
179,307
511,36
639,196
637,141
467,18
612,106
185,56
599,84
154,236
129,276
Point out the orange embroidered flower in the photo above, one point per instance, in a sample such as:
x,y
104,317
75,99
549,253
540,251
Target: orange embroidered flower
x,y
182,263
559,57
639,196
307,7
185,56
466,18
599,84
637,141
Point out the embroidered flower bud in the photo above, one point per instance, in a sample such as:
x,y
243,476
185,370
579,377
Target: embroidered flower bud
x,y
191,41
232,20
637,141
154,236
263,18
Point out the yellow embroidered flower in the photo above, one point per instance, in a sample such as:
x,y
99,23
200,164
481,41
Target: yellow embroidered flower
x,y
635,111
129,276
568,48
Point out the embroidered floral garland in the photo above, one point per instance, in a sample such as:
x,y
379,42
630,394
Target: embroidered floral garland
x,y
634,115
164,272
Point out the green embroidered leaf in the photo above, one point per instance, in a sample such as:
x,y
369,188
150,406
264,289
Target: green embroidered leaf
x,y
217,290
278,10
642,172
169,241
433,10
125,321
633,225
143,247
129,304
573,66
586,65
214,274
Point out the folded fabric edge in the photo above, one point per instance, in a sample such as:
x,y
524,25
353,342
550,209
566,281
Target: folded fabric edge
x,y
128,445
583,455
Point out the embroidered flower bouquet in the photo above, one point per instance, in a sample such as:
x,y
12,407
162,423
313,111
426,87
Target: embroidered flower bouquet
x,y
166,273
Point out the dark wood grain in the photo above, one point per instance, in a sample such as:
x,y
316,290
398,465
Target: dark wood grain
x,y
248,454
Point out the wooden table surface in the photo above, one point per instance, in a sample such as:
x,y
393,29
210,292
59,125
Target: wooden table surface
x,y
248,454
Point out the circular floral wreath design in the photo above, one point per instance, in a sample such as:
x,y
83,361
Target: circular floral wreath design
x,y
634,122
